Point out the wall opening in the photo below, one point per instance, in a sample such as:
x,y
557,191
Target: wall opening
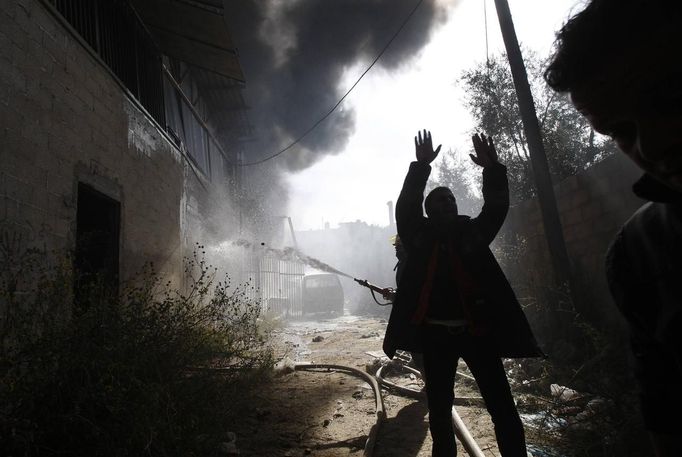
x,y
97,243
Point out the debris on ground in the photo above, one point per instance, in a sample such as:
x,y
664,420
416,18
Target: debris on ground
x,y
563,393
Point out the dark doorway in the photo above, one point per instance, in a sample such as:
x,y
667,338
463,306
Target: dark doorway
x,y
97,233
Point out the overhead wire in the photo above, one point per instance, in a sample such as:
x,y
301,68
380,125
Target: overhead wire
x,y
322,119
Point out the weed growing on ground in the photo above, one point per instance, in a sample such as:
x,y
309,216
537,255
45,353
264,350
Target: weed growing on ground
x,y
147,371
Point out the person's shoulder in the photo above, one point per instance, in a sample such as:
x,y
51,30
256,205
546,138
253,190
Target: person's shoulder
x,y
631,227
659,218
467,227
650,241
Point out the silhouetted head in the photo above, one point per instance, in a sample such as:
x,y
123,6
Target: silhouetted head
x,y
441,205
619,61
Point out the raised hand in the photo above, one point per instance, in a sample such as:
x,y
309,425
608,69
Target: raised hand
x,y
486,155
424,147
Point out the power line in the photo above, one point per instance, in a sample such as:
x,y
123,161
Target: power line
x,y
293,143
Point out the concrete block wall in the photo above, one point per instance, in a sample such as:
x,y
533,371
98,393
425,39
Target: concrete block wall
x,y
64,118
592,207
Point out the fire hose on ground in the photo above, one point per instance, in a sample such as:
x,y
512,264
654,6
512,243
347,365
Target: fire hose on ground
x,y
378,399
460,429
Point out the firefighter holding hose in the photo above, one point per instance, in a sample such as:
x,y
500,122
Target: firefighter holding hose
x,y
388,293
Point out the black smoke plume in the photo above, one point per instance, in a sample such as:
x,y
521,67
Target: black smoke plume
x,y
293,54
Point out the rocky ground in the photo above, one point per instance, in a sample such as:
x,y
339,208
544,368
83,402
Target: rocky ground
x,y
327,413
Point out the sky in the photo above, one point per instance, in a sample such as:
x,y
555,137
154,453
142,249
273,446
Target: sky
x,y
391,104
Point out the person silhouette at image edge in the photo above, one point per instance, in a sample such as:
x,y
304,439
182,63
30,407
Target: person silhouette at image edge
x,y
619,62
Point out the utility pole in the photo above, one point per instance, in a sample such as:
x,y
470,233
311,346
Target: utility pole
x,y
293,234
391,218
531,127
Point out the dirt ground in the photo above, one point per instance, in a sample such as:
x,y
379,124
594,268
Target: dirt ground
x,y
330,414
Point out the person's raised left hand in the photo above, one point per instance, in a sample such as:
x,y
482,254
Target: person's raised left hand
x,y
486,155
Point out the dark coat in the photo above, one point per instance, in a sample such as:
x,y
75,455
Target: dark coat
x,y
644,270
496,306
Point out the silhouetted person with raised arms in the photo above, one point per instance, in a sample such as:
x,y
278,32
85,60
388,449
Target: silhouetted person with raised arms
x,y
453,299
620,62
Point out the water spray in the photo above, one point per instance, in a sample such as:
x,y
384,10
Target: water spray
x,y
292,254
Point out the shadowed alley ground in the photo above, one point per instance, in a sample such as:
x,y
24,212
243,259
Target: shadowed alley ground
x,y
330,414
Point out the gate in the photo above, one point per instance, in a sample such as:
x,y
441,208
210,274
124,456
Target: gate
x,y
277,285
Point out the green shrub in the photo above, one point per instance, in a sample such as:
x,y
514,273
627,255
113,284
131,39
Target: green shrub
x,y
149,371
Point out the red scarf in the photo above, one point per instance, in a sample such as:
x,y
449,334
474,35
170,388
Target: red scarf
x,y
466,288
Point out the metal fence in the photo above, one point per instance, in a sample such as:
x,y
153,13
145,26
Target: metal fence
x,y
277,284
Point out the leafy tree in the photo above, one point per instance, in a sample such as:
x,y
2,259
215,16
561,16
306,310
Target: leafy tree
x,y
570,143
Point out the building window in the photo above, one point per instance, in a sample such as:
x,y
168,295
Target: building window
x,y
183,119
114,32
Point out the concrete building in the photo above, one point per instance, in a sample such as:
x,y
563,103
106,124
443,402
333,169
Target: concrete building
x,y
119,129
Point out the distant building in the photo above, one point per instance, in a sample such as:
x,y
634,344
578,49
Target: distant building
x,y
120,124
